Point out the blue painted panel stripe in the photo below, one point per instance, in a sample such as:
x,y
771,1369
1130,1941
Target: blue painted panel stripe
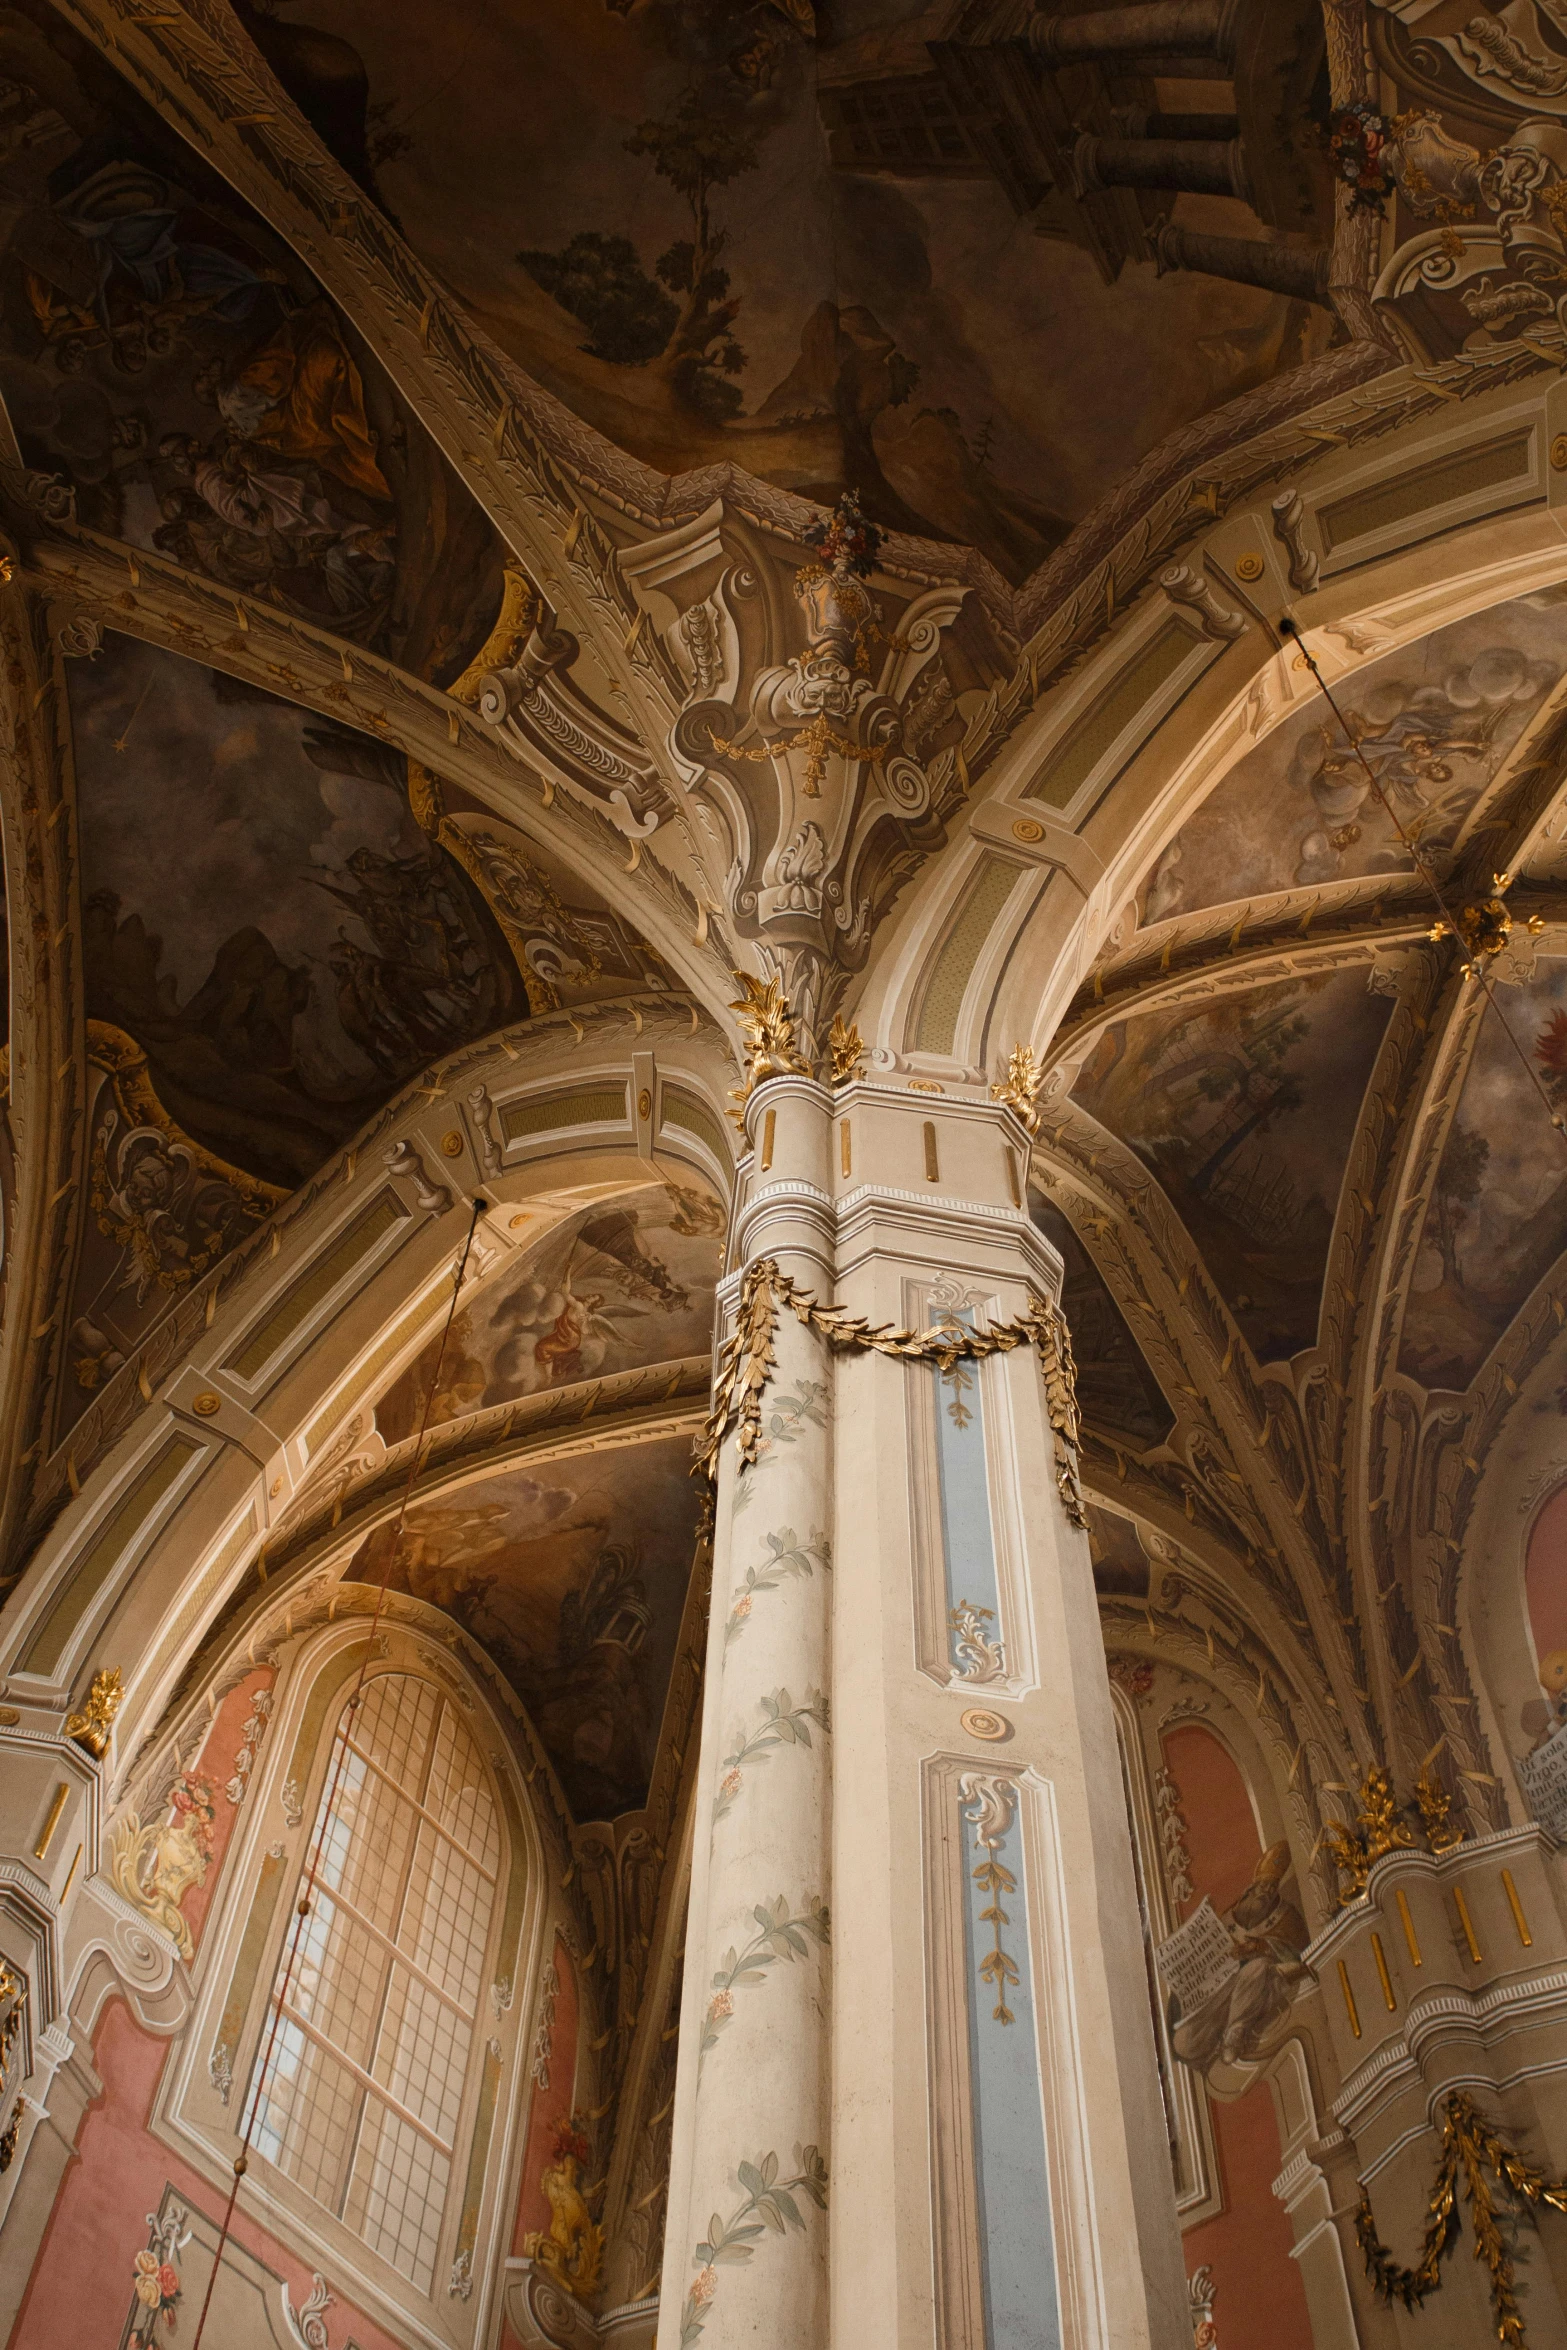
x,y
968,1552
1017,2250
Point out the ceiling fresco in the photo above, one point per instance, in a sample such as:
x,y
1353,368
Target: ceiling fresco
x,y
573,1576
1245,1108
1118,1393
707,260
282,942
1120,1561
172,361
1436,721
621,1283
7,1144
1496,1221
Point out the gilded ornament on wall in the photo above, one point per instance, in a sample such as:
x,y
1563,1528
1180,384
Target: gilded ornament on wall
x,y
157,1865
91,1725
572,2247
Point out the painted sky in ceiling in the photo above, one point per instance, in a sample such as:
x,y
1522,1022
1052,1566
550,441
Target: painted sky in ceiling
x,y
572,1574
261,915
1496,1221
624,1282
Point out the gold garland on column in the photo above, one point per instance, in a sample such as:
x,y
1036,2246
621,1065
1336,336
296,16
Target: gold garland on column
x,y
1470,2149
748,1359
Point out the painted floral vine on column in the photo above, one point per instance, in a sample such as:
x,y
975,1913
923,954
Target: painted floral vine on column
x,y
770,2203
787,1556
782,1934
783,1723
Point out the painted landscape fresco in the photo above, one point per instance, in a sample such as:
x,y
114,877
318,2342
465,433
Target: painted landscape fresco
x,y
280,940
1435,722
1497,1217
611,1287
573,1578
173,363
709,257
1244,1109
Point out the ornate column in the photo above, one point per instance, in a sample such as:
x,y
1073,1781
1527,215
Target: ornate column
x,y
999,2144
746,2246
1204,29
1300,271
946,2128
1442,1979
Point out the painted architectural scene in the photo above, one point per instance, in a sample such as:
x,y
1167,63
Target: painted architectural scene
x,y
824,249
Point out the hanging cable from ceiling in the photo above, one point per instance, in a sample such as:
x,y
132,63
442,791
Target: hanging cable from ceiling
x,y
1483,929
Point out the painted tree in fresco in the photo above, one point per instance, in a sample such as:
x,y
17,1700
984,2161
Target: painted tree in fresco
x,y
600,280
697,151
1457,1188
681,319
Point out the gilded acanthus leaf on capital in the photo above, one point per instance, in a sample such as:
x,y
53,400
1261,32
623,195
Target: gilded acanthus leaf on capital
x,y
767,1028
845,1050
1019,1089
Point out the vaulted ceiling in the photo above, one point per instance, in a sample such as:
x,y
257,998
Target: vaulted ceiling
x,y
415,435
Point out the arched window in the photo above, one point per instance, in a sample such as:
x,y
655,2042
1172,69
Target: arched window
x,y
367,2076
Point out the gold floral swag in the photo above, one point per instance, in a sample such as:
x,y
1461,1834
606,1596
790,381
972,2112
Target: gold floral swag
x,y
1471,2149
748,1359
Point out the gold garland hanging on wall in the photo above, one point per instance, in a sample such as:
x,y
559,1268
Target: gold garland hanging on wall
x,y
1470,2149
748,1359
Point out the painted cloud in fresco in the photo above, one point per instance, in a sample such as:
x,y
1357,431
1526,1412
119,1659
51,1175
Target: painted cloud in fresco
x,y
573,1578
616,1285
1435,722
1497,1217
1245,1109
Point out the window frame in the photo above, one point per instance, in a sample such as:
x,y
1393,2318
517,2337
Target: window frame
x,y
318,1672
363,1933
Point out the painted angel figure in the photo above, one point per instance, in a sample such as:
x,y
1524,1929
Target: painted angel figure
x,y
556,1334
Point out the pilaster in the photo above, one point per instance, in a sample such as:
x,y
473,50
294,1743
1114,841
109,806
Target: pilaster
x,y
973,2056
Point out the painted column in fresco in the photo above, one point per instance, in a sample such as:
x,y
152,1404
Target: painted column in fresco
x,y
747,2246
